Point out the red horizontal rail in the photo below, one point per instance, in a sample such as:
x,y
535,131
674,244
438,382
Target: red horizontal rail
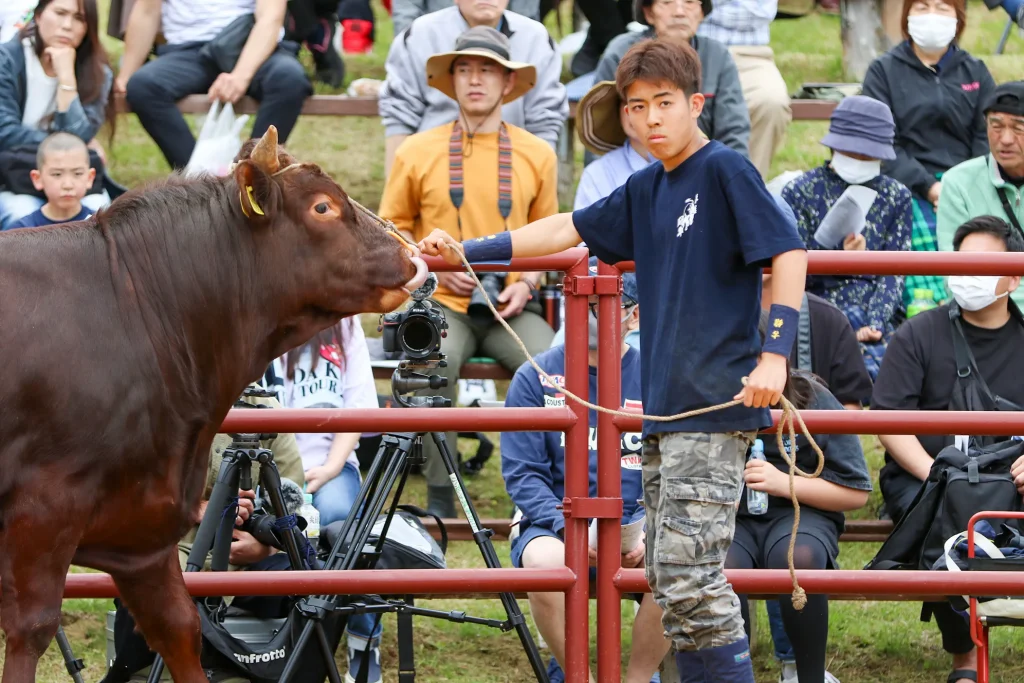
x,y
311,420
357,582
891,422
904,263
853,582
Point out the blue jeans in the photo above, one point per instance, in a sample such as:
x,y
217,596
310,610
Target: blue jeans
x,y
334,501
783,648
16,206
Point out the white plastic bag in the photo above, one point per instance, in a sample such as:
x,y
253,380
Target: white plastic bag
x,y
218,143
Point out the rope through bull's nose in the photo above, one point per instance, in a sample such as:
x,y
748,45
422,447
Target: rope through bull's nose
x,y
787,423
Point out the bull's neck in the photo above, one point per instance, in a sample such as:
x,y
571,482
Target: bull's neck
x,y
202,290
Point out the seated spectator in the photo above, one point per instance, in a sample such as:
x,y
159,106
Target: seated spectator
x,y
332,370
409,104
436,184
936,91
920,373
404,12
744,26
724,117
209,50
762,540
604,129
54,77
133,658
62,173
533,465
989,185
846,203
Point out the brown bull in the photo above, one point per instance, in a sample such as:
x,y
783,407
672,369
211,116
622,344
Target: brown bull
x,y
126,339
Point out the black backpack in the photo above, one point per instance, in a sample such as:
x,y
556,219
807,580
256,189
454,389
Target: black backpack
x,y
959,485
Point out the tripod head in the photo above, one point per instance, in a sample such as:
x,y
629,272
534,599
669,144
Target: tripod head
x,y
410,376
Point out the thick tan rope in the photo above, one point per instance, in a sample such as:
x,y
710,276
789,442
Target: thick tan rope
x,y
790,416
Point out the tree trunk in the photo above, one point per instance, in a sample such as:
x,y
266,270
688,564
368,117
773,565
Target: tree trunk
x,y
863,36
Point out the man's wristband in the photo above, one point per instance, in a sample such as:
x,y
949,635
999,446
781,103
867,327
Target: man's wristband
x,y
783,324
490,249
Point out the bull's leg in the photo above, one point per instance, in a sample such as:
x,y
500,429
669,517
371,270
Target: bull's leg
x,y
170,624
35,554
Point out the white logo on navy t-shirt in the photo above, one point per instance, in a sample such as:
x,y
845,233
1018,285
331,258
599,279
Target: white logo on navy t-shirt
x,y
689,212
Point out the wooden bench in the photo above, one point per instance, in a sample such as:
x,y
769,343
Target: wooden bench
x,y
857,531
343,105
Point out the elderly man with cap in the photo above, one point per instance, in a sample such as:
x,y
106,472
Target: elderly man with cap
x,y
725,117
846,203
533,465
989,185
473,177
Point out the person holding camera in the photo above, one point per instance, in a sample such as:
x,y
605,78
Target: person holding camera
x,y
252,547
475,177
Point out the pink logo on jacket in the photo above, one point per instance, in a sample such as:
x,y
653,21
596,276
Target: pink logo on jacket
x,y
970,87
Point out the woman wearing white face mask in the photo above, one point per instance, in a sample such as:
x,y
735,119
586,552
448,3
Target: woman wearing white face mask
x,y
847,203
936,92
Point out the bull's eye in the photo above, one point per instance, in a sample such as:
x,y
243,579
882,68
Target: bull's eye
x,y
322,208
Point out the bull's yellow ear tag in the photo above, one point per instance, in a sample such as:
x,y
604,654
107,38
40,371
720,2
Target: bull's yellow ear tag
x,y
252,201
241,202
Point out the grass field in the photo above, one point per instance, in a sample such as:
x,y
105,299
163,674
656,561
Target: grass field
x,y
869,642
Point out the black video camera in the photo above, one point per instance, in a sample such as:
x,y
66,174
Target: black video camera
x,y
416,331
492,283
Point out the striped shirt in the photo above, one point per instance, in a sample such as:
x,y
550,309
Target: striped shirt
x,y
199,21
740,22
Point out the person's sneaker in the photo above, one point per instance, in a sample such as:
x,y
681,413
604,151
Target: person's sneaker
x,y
357,36
355,660
473,390
788,674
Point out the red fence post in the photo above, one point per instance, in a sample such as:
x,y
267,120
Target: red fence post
x,y
577,481
609,482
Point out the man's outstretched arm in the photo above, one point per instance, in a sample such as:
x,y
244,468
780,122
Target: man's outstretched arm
x,y
542,237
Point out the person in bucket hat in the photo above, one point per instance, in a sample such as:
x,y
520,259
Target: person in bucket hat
x,y
724,117
477,176
847,203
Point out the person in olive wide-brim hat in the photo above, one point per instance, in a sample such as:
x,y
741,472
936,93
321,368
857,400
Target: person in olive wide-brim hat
x,y
486,42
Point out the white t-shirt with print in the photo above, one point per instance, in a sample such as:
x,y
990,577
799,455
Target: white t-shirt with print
x,y
338,381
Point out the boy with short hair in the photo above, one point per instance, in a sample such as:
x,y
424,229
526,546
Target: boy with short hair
x,y
63,174
700,226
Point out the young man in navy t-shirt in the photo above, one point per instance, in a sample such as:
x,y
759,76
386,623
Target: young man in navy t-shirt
x,y
700,226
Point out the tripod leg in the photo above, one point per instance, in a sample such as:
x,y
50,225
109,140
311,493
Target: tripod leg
x,y
483,541
270,478
390,461
74,666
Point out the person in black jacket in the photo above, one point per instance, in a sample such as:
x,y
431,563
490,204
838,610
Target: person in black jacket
x,y
935,91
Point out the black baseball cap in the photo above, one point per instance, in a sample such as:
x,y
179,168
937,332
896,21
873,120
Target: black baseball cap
x,y
1007,98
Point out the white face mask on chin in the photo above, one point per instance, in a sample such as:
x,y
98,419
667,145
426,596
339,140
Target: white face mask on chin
x,y
930,31
975,292
855,171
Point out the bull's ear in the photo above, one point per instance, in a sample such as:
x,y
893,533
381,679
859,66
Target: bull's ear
x,y
254,190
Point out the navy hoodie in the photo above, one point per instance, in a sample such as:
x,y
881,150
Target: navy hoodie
x,y
533,463
939,122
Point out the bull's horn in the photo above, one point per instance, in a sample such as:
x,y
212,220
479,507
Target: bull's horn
x,y
264,154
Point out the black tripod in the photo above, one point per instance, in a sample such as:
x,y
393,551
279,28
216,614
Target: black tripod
x,y
218,522
73,665
390,470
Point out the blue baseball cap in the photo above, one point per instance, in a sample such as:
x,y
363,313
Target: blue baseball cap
x,y
629,293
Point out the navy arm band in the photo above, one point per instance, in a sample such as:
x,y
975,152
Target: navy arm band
x,y
783,324
491,249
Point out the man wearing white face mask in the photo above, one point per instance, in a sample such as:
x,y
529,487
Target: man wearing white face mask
x,y
846,203
533,465
936,91
920,372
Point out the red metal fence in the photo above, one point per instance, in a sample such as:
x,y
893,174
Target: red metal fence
x,y
612,580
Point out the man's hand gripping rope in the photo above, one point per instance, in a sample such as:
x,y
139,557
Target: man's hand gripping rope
x,y
451,251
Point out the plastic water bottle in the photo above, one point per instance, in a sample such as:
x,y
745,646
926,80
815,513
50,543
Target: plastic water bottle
x,y
312,517
757,501
924,299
